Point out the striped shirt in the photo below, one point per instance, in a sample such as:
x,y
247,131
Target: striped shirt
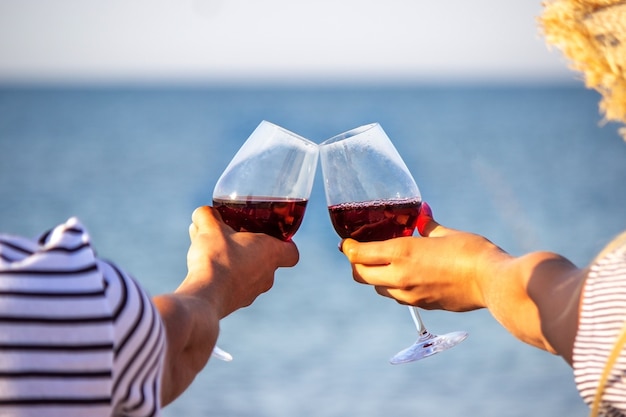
x,y
602,317
78,336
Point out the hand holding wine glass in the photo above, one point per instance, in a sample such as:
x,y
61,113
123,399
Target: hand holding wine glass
x,y
266,186
372,196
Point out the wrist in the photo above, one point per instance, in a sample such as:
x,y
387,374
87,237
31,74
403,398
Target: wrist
x,y
191,329
203,294
491,266
526,295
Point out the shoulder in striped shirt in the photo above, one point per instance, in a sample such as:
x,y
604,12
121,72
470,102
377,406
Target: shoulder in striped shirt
x,y
602,317
78,336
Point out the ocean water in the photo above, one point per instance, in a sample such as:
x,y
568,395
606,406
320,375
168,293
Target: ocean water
x,y
530,167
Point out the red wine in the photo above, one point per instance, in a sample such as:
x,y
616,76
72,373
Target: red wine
x,y
375,220
278,217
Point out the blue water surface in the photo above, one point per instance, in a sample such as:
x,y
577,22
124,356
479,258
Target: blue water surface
x,y
531,168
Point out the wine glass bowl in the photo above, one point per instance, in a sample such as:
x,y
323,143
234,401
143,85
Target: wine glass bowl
x,y
364,168
266,186
372,196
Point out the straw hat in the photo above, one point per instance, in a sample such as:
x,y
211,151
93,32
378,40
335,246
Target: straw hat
x,y
592,34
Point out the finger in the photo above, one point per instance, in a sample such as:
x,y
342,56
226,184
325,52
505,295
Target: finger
x,y
205,217
286,253
377,275
367,253
291,255
193,230
391,293
425,221
427,226
281,253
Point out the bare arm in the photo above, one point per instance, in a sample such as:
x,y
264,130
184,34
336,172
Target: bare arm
x,y
535,297
226,271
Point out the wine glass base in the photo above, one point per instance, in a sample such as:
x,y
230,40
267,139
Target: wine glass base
x,y
427,345
221,354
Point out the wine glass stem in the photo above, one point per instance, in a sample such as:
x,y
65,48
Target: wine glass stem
x,y
419,324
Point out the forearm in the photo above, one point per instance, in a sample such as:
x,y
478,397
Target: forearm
x,y
192,328
535,297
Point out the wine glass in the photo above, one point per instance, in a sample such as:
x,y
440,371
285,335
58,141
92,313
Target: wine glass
x,y
266,186
372,196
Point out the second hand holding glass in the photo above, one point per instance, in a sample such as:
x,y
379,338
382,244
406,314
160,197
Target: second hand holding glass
x,y
372,196
266,186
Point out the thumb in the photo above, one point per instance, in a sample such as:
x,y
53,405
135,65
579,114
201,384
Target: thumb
x,y
205,217
426,224
291,255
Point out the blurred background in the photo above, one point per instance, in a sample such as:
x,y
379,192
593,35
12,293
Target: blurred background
x,y
125,114
237,41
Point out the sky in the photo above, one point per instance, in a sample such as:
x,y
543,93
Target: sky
x,y
274,40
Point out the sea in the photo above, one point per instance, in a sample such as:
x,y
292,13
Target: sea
x,y
531,167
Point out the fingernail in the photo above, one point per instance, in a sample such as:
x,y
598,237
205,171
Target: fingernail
x,y
425,216
340,246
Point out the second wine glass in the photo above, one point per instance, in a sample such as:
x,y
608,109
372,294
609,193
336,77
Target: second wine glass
x,y
372,196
